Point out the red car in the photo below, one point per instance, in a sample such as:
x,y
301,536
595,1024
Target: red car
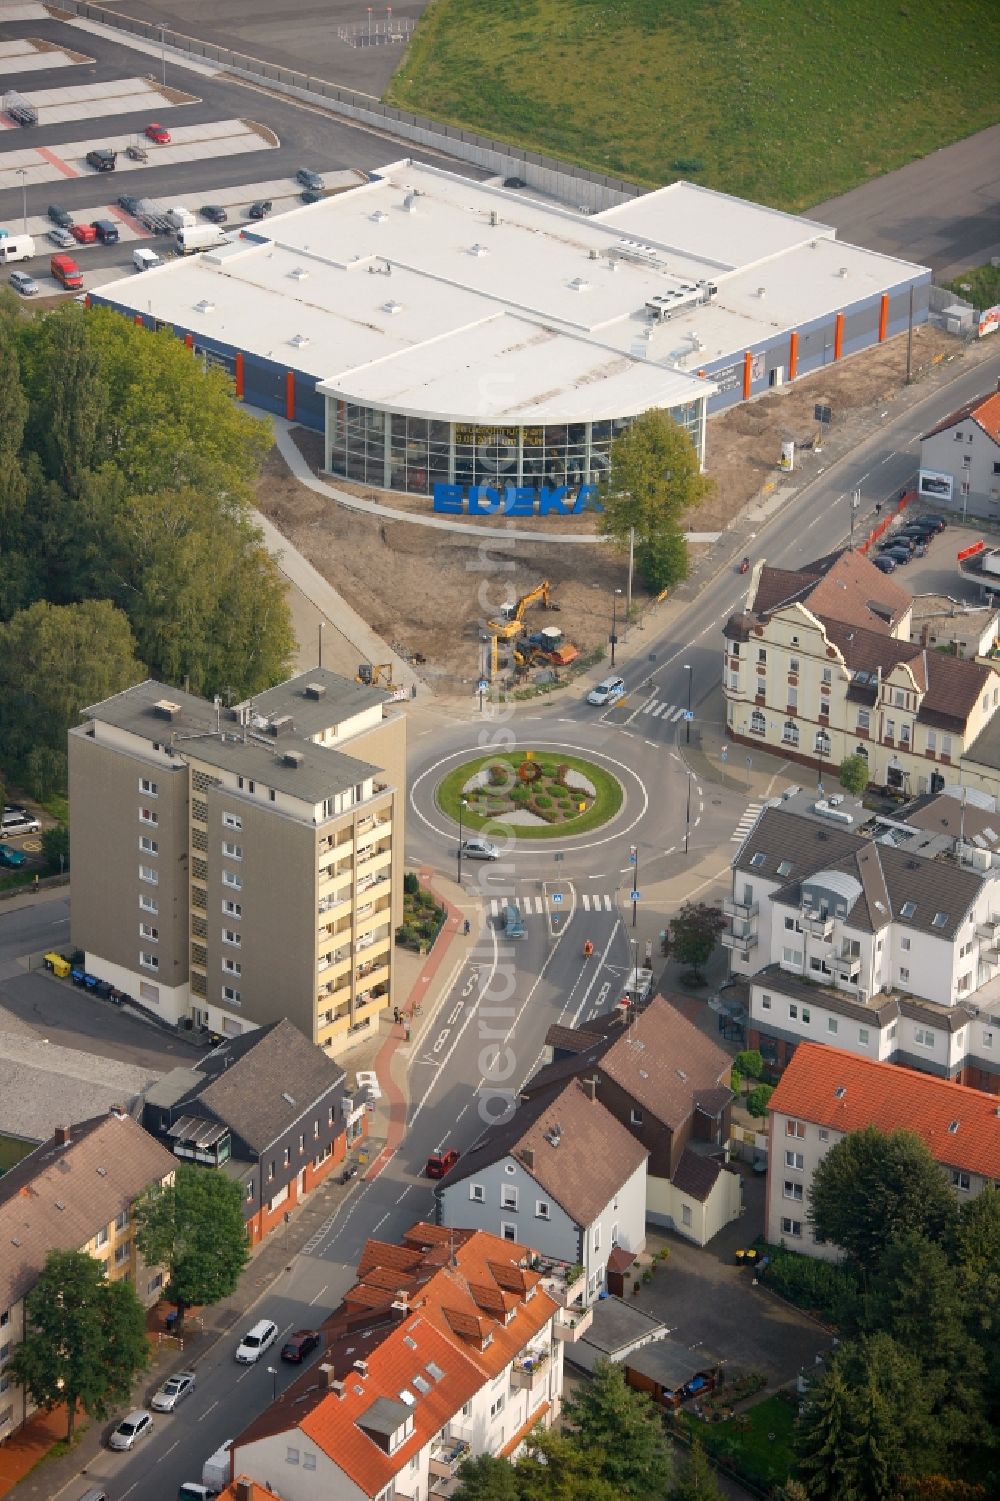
x,y
84,234
299,1345
439,1163
158,133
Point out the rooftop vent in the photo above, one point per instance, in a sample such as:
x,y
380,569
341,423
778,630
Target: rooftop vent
x,y
761,291
579,285
494,218
842,273
478,249
292,758
299,341
392,307
298,273
594,253
379,216
410,203
361,1366
204,306
315,690
164,709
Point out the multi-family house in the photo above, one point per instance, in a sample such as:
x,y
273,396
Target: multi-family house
x,y
825,1094
877,936
819,666
447,1347
668,1085
562,1174
960,459
269,1108
233,866
75,1192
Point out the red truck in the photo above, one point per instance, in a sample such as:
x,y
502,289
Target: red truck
x,y
66,272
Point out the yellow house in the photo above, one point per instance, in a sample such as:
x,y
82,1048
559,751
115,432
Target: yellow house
x,y
819,666
75,1192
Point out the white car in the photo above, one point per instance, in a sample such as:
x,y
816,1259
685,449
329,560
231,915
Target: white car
x,y
608,692
18,821
60,237
480,849
173,1391
131,1429
256,1340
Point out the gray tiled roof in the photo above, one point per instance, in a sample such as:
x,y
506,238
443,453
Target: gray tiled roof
x,y
881,1009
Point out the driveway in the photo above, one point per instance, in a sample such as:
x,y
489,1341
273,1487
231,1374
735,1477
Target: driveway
x,y
704,1298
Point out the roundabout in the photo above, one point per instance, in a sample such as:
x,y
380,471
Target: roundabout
x,y
536,794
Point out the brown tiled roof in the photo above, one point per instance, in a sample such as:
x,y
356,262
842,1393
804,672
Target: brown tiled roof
x,y
950,686
984,410
59,1196
620,1260
844,586
581,1167
937,813
696,1175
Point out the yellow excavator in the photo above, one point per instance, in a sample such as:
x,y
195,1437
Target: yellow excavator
x,y
379,675
511,622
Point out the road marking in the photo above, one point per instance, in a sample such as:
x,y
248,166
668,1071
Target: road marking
x,y
473,1009
746,823
318,1295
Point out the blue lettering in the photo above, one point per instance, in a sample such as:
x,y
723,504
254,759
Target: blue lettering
x,y
519,502
585,500
550,502
483,500
449,498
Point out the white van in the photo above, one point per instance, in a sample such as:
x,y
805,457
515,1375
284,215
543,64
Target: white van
x,y
16,248
179,217
145,260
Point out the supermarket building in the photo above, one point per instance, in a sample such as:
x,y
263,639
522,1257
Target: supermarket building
x,y
445,334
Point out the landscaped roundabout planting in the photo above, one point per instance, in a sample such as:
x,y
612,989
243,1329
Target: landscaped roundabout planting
x,y
533,794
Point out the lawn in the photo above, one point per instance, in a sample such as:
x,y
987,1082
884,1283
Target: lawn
x,y
980,286
559,805
758,1442
772,100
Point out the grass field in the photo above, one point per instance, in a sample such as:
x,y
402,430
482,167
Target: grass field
x,y
774,100
761,1446
606,803
980,286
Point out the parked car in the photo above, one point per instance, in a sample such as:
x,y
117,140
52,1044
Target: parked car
x,y
439,1163
14,859
884,563
158,133
514,182
607,692
129,202
300,1344
310,179
899,555
23,283
137,152
480,849
939,521
102,159
312,195
214,212
131,1429
60,237
256,1340
260,208
60,216
84,234
18,821
173,1390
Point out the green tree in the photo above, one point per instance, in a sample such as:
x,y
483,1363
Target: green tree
x,y
653,480
896,1430
871,1189
71,420
54,661
694,934
825,1440
55,848
757,1100
85,1339
195,1228
557,1467
623,1428
487,1479
749,1063
853,773
696,1480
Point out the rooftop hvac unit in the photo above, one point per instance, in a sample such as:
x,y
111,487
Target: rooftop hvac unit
x,y
293,759
315,690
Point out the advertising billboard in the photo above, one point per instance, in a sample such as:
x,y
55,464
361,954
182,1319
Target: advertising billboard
x,y
933,485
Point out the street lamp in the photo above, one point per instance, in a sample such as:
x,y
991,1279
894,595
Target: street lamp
x,y
462,804
687,815
163,49
272,1371
322,628
613,638
22,173
687,722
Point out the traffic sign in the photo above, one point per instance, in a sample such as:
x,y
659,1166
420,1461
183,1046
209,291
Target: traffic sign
x,y
557,897
635,896
633,854
482,686
688,714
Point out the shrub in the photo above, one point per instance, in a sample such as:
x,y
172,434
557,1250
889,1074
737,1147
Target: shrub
x,y
821,1286
499,774
735,1080
410,883
520,795
542,800
406,934
757,1099
750,1063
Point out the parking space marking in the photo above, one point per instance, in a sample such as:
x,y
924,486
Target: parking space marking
x,y
217,139
63,168
23,56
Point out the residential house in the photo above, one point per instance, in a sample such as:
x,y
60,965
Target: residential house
x,y
667,1084
819,666
563,1174
825,1094
237,865
269,1108
75,1192
960,460
883,939
447,1347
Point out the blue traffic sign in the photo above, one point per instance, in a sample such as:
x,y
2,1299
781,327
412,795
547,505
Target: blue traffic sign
x,y
688,713
482,686
635,896
557,897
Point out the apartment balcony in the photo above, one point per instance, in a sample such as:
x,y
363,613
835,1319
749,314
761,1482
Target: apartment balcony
x,y
530,1372
817,924
445,1460
372,975
741,942
572,1326
989,930
373,883
556,1282
742,910
846,966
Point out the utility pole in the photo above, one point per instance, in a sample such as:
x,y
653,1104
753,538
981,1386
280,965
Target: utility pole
x,y
613,638
687,722
631,565
855,507
163,49
22,173
909,343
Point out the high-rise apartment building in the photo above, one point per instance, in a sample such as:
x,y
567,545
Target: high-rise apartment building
x,y
238,865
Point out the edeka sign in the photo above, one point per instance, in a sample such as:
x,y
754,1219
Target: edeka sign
x,y
515,500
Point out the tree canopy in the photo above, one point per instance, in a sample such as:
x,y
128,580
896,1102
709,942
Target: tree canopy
x,y
854,774
85,1338
694,933
653,479
623,1427
195,1228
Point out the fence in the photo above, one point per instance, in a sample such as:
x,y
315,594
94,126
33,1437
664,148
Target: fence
x,y
590,191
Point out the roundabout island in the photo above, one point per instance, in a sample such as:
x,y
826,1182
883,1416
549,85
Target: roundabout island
x,y
532,794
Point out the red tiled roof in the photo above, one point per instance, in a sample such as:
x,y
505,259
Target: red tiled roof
x,y
519,1437
984,410
959,1126
257,1491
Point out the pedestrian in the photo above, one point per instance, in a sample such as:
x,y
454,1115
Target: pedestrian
x,y
395,1015
467,928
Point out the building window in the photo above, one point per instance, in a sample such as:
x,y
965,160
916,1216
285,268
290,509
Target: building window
x,y
229,935
890,729
964,982
229,878
122,1253
822,744
946,745
806,1016
904,736
987,1038
796,1129
232,909
923,1037
232,821
904,944
498,1406
149,961
793,664
795,1159
146,815
148,787
148,874
508,1230
791,1227
758,724
149,904
765,1003
596,1244
542,1209
863,1036
232,851
793,1012
864,719
145,931
101,1238
761,654
792,1191
231,995
827,674
932,741
789,733
686,1214
147,845
823,1134
635,1118
904,976
508,1197
961,1180
832,1024
477,1193
231,967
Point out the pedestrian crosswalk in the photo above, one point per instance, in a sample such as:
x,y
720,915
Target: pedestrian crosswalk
x,y
746,823
528,905
669,713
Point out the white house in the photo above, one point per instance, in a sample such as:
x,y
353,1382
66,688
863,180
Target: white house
x,y
447,1347
960,459
825,1093
562,1174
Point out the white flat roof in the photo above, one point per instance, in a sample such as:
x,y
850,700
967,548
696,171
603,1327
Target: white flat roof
x,y
425,292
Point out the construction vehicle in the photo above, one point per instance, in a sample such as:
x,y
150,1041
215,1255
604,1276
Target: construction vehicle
x,y
551,646
379,675
511,619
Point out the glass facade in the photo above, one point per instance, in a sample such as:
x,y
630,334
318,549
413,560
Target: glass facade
x,y
392,452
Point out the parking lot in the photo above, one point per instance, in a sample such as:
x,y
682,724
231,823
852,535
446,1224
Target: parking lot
x,y
229,146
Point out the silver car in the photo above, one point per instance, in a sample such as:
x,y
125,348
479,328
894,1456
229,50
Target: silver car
x,y
60,237
480,849
23,283
173,1391
131,1429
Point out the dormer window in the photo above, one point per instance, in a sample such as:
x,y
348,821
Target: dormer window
x,y
907,909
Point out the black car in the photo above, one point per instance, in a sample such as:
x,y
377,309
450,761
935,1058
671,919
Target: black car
x,y
214,212
103,159
311,195
939,521
59,216
899,555
514,182
300,1344
884,563
260,209
310,179
129,202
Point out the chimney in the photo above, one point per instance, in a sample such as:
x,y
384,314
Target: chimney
x,y
62,1136
328,1379
361,1366
528,1158
589,1087
244,1490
